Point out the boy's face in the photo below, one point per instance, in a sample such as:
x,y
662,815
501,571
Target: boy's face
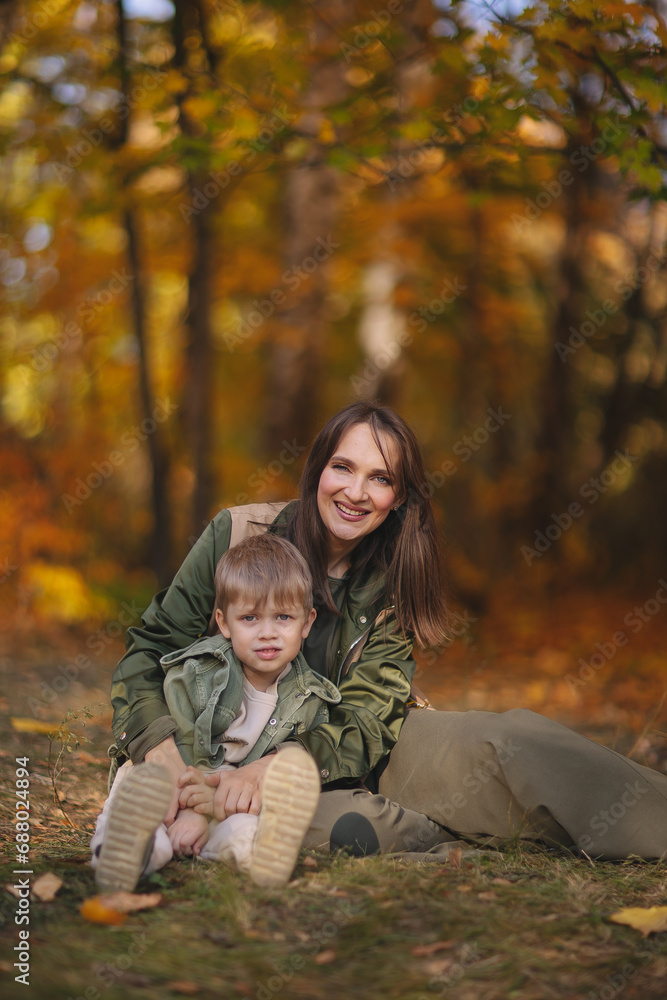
x,y
264,640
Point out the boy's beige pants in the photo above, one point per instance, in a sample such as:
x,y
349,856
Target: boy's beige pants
x,y
499,775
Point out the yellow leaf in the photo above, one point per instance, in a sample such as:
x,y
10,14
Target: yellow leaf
x,y
326,132
200,107
22,725
649,920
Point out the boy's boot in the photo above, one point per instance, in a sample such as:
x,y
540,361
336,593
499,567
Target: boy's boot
x,y
290,791
137,810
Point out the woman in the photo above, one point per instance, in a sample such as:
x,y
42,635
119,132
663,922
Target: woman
x,y
369,537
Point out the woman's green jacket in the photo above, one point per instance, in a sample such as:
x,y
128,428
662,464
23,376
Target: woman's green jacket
x,y
373,666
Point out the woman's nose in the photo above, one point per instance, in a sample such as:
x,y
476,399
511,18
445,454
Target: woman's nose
x,y
356,490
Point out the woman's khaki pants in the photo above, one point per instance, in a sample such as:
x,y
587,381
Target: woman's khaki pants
x,y
499,775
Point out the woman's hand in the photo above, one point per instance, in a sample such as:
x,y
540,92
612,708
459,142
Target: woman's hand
x,y
195,793
239,790
167,754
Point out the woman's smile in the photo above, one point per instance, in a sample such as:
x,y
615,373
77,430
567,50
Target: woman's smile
x,y
357,488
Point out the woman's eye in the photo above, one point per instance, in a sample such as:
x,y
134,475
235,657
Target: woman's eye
x,y
339,468
383,481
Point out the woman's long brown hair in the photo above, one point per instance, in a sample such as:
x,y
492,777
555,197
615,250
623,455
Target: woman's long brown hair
x,y
405,546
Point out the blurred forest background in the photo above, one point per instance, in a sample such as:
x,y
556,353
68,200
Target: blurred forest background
x,y
223,220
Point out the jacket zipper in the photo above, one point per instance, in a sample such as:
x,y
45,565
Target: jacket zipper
x,y
352,645
358,639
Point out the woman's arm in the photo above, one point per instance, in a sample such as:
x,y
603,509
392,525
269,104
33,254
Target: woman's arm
x,y
365,725
175,618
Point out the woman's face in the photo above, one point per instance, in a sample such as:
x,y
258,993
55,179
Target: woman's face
x,y
356,489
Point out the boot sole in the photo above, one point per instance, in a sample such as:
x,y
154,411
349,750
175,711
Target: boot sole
x,y
290,792
138,809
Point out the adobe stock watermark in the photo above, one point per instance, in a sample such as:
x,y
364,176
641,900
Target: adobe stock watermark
x,y
370,31
596,318
220,179
419,319
591,491
43,358
107,973
406,164
439,985
581,158
131,440
476,779
93,137
431,654
606,651
36,21
292,278
97,642
464,448
605,820
264,476
319,937
617,982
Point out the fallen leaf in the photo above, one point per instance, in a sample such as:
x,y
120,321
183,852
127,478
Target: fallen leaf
x,y
128,902
487,895
424,950
454,858
464,888
24,725
185,986
651,920
309,862
45,887
325,957
501,881
97,913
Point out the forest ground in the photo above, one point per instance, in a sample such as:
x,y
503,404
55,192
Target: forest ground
x,y
519,922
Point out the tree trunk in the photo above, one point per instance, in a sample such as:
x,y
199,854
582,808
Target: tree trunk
x,y
311,210
197,391
160,540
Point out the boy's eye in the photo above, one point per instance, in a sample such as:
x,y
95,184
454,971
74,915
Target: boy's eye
x,y
283,617
248,618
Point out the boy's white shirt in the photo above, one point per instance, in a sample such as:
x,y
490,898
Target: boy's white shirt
x,y
256,709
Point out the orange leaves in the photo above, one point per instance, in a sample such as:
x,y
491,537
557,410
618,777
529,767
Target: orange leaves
x,y
112,909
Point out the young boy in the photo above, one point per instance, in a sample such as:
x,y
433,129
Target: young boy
x,y
235,696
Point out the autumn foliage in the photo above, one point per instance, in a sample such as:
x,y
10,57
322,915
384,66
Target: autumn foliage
x,y
224,220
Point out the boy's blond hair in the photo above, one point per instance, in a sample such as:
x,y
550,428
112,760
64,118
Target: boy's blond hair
x,y
262,568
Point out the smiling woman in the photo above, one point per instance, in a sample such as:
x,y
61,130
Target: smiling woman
x,y
366,529
356,492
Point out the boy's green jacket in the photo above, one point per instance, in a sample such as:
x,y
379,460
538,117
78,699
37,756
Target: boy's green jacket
x,y
373,667
203,687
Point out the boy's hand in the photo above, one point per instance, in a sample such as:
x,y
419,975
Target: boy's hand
x,y
239,790
188,833
167,754
195,793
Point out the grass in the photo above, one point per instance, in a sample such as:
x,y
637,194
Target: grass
x,y
523,923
